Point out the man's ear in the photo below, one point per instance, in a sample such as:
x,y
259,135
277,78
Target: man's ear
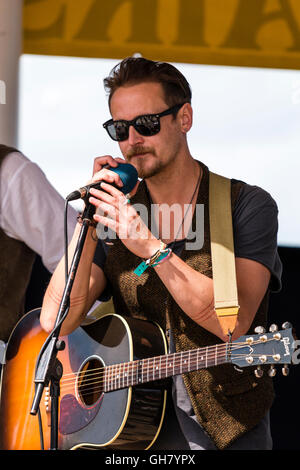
x,y
186,116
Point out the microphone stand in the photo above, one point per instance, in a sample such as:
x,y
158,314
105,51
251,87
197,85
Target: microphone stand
x,y
49,369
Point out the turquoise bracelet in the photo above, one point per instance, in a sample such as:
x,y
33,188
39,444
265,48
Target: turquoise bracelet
x,y
145,264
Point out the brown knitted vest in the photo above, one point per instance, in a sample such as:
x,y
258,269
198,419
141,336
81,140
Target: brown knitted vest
x,y
16,261
227,403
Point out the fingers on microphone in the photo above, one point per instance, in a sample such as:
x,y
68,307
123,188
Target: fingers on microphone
x,y
119,160
108,176
99,162
111,190
103,195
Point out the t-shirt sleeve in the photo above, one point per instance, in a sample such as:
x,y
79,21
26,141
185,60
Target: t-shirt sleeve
x,y
31,210
255,227
100,259
100,254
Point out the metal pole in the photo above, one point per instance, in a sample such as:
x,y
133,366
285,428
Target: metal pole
x,y
11,32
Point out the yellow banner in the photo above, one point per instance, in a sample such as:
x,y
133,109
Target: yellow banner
x,y
255,33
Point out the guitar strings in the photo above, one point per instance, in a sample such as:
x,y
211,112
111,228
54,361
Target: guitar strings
x,y
178,357
117,377
121,376
97,386
90,375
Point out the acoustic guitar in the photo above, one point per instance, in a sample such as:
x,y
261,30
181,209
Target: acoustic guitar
x,y
113,389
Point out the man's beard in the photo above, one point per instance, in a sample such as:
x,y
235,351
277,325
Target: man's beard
x,y
143,170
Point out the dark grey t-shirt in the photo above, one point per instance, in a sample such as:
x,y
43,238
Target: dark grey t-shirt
x,y
255,227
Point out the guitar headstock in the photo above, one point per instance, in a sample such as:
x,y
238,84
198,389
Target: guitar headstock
x,y
274,347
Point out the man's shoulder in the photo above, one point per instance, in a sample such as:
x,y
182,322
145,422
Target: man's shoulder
x,y
13,160
252,195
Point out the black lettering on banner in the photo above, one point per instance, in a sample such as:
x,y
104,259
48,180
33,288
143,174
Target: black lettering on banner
x,y
143,21
191,23
250,17
54,29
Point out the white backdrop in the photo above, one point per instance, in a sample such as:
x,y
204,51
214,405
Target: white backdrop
x,y
246,125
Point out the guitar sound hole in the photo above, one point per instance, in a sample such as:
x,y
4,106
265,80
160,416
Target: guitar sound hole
x,y
90,381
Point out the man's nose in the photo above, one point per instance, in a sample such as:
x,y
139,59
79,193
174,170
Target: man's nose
x,y
134,137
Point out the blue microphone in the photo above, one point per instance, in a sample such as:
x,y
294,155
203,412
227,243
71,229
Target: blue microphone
x,y
127,173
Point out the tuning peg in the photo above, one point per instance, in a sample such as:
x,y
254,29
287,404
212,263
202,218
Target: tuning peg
x,y
285,370
286,325
272,371
258,372
259,330
273,328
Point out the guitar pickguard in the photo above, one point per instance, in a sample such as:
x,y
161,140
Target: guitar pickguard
x,y
73,416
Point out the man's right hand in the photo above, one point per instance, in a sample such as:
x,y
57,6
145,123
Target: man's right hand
x,y
100,173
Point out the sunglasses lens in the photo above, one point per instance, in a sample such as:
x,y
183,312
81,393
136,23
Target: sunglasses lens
x,y
110,128
120,130
117,130
147,125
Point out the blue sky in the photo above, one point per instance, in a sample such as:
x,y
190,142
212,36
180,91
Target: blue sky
x,y
246,125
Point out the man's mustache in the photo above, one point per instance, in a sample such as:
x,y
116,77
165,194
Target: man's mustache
x,y
139,150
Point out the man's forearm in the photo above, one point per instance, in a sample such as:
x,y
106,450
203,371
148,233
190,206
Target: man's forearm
x,y
192,291
80,289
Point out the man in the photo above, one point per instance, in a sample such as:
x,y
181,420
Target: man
x,y
150,104
31,222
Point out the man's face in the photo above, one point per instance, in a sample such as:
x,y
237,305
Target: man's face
x,y
150,155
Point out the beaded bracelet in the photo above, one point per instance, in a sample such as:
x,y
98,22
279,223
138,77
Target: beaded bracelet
x,y
165,255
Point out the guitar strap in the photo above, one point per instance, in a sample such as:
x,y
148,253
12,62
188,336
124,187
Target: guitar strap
x,y
222,252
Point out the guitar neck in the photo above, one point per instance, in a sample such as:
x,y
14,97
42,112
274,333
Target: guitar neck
x,y
132,373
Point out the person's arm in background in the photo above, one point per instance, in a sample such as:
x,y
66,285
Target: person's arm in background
x,y
32,211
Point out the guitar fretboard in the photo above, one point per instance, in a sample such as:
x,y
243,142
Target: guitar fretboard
x,y
132,373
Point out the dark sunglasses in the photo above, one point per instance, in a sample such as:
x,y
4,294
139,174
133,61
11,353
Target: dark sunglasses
x,y
146,125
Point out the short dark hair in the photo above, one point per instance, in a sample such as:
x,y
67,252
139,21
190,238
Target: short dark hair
x,y
135,70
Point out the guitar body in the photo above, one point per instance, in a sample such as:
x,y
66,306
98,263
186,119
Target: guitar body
x,y
89,417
